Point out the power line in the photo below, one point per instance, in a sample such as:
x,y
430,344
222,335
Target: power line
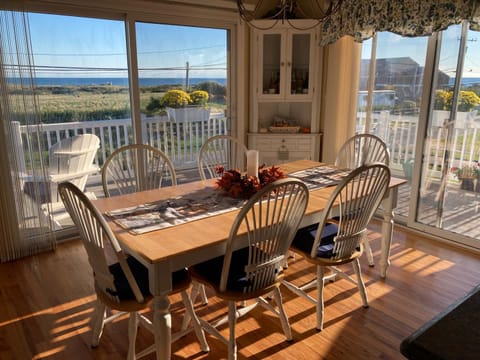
x,y
124,53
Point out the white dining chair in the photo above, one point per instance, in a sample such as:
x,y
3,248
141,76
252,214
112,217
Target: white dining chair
x,y
121,282
252,266
332,243
362,149
224,150
136,167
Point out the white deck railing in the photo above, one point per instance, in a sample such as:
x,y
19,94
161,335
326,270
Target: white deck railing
x,y
181,141
400,131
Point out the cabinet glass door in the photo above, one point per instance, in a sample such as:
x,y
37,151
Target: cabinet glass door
x,y
299,72
271,63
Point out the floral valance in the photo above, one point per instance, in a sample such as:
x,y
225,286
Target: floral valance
x,y
362,18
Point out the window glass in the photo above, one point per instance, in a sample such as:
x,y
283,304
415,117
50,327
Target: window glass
x,y
389,97
182,73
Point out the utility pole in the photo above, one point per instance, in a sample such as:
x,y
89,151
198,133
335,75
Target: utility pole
x,y
187,79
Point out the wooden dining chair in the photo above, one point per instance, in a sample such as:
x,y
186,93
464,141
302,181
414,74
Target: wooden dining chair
x,y
330,244
362,149
120,281
223,150
136,167
255,252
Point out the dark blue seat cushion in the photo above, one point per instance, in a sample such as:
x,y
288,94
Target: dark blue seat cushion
x,y
306,236
140,273
212,270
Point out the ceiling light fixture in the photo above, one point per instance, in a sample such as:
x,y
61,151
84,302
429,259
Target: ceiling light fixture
x,y
286,11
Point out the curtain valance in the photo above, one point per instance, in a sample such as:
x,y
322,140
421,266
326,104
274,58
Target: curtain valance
x,y
361,19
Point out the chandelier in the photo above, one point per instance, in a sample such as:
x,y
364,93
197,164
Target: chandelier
x,y
286,11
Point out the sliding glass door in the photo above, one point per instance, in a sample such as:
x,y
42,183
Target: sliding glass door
x,y
389,99
421,95
114,78
449,195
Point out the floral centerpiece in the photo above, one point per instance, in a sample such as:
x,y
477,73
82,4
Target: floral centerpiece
x,y
239,185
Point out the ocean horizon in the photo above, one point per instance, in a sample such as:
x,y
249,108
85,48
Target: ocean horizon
x,y
79,81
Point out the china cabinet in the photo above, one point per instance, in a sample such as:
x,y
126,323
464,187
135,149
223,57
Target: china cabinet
x,y
285,91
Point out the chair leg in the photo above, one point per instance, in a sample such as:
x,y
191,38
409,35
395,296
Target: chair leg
x,y
368,251
197,289
360,283
320,305
277,295
195,321
232,319
203,295
98,322
132,334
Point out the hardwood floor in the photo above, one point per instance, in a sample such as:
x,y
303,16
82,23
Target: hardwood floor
x,y
46,301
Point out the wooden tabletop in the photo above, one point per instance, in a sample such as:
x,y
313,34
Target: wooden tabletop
x,y
200,235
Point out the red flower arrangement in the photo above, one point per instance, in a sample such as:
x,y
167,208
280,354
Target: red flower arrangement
x,y
242,186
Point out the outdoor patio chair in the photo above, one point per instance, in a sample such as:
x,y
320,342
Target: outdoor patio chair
x,y
362,149
70,159
223,150
255,252
331,244
120,281
136,167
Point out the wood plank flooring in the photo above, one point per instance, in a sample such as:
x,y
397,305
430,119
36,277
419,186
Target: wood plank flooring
x,y
46,302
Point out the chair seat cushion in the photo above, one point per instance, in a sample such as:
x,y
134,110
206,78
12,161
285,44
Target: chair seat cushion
x,y
306,236
140,273
211,270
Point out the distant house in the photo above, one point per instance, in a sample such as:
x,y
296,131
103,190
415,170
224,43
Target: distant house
x,y
401,74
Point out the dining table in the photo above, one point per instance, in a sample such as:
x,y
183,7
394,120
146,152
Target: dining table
x,y
164,250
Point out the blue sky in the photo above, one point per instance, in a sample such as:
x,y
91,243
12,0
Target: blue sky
x,y
392,45
96,48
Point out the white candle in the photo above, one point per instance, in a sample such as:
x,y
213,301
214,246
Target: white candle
x,y
252,163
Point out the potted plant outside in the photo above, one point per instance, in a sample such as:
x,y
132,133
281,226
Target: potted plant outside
x,y
184,107
467,174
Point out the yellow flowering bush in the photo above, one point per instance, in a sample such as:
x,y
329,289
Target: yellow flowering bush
x,y
175,99
199,97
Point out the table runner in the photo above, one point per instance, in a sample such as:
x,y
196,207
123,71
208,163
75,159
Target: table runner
x,y
170,212
205,202
320,176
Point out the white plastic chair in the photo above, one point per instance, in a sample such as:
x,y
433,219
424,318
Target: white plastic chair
x,y
120,284
136,167
223,150
331,244
71,159
363,149
253,261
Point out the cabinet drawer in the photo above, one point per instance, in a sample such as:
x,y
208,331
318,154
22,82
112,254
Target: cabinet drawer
x,y
275,142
